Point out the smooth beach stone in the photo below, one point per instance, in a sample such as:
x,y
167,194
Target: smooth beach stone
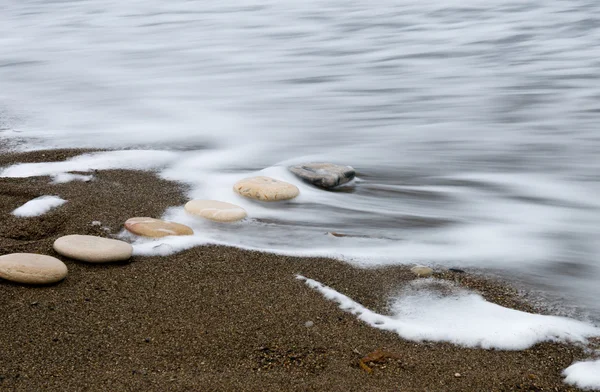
x,y
324,175
266,189
422,271
32,268
218,211
93,249
150,227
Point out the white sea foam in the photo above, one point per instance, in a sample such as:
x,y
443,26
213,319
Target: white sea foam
x,y
584,374
131,159
68,177
496,227
461,318
38,206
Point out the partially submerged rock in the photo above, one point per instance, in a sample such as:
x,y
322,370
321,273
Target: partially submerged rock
x,y
266,189
32,268
93,249
336,234
218,211
150,227
324,175
422,271
342,235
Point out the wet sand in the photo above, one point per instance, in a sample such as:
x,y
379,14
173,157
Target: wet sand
x,y
216,318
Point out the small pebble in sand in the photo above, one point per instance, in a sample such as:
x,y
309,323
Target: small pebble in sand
x,y
93,249
266,189
218,211
96,223
309,324
150,227
32,268
457,375
422,271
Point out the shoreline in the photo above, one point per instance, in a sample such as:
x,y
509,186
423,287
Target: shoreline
x,y
219,318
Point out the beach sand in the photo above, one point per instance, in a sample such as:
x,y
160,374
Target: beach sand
x,y
217,318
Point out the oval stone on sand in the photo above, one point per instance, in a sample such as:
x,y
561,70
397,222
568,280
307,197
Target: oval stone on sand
x,y
422,271
150,227
324,175
32,268
93,249
218,211
266,189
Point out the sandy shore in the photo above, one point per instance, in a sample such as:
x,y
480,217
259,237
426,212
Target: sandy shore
x,y
215,318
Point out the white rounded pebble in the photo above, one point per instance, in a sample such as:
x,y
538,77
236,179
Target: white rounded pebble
x,y
422,271
32,268
93,249
266,189
150,227
218,211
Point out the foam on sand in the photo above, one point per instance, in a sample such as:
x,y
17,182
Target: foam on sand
x,y
461,317
38,206
63,178
128,159
584,374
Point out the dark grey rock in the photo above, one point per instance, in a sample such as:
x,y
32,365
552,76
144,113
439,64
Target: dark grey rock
x,y
324,175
